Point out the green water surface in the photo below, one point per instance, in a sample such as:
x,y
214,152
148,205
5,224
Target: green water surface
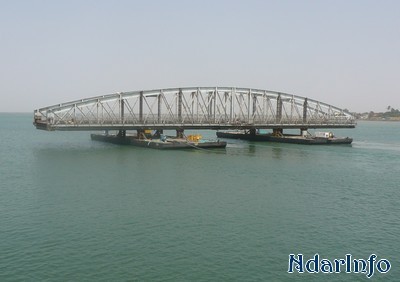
x,y
72,209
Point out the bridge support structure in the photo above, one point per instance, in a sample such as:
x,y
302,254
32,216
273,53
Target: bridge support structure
x,y
180,133
193,108
121,133
277,131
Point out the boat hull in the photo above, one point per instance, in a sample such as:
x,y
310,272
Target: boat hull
x,y
294,139
156,143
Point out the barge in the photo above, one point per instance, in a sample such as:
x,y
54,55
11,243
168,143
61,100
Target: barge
x,y
164,142
320,138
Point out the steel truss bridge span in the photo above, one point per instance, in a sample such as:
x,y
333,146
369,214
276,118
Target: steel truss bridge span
x,y
192,108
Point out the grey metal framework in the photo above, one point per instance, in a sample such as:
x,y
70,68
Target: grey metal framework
x,y
192,108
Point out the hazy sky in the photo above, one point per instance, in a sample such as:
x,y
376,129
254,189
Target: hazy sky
x,y
345,53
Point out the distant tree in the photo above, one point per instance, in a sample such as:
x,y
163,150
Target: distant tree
x,y
388,108
371,114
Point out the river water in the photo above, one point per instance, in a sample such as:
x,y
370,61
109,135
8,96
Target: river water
x,y
72,209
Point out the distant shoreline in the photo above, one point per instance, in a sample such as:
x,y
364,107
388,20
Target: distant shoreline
x,y
391,120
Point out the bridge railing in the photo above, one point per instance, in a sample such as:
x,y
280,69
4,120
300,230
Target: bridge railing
x,y
187,121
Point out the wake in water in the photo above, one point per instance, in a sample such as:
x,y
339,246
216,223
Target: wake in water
x,y
376,146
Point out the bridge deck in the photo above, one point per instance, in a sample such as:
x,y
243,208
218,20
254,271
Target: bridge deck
x,y
95,127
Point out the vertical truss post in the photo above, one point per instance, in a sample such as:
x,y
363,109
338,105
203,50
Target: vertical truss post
x,y
279,109
97,111
291,109
122,106
233,92
265,109
159,108
180,105
102,113
192,111
254,106
226,96
210,107
197,104
74,113
215,104
305,111
141,107
248,106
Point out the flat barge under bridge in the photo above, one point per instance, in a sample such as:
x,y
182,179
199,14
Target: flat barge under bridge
x,y
326,138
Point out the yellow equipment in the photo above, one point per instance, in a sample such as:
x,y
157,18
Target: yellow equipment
x,y
194,137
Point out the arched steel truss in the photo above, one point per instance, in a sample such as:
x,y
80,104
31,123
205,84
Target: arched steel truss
x,y
192,108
